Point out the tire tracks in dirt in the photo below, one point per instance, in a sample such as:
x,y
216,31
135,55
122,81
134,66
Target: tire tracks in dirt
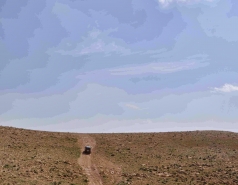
x,y
85,161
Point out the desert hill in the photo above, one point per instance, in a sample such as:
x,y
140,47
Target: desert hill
x,y
34,157
198,157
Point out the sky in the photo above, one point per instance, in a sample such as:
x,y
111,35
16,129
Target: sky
x,y
119,66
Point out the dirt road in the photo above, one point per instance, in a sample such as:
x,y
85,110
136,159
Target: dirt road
x,y
85,161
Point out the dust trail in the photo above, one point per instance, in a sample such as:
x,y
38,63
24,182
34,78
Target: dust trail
x,y
85,161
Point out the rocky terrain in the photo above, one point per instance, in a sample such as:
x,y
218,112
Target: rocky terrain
x,y
198,157
33,157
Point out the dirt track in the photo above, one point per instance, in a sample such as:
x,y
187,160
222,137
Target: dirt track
x,y
85,161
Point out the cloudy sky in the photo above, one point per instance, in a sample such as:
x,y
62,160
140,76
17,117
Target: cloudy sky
x,y
119,66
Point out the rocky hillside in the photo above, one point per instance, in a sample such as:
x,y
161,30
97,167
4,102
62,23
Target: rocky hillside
x,y
33,157
38,158
200,157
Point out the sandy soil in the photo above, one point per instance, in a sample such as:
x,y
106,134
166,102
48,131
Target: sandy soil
x,y
37,157
85,161
198,157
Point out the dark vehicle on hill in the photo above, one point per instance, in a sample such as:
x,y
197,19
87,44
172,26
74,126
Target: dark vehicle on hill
x,y
87,150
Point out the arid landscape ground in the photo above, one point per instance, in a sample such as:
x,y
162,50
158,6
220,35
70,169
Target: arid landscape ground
x,y
38,158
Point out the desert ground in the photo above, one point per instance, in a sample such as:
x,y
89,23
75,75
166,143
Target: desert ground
x,y
196,157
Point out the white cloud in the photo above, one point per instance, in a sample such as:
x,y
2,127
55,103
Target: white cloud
x,y
97,42
167,2
226,88
101,46
168,67
133,106
98,46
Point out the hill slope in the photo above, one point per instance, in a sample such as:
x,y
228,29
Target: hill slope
x,y
33,157
200,157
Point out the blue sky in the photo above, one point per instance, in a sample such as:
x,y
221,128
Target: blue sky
x,y
119,66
